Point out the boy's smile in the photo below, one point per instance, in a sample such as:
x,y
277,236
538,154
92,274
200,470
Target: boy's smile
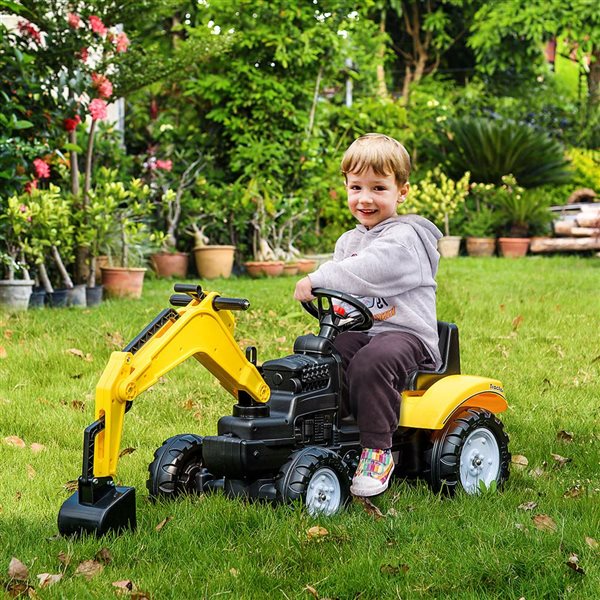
x,y
373,198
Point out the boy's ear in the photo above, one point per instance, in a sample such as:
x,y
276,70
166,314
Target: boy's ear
x,y
403,192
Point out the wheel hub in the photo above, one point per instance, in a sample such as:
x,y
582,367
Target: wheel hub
x,y
479,460
324,495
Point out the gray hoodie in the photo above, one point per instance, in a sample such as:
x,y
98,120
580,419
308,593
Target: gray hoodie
x,y
391,268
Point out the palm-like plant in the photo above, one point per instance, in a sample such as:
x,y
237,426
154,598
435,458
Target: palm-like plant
x,y
490,149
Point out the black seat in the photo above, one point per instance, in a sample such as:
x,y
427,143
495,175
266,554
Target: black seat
x,y
450,352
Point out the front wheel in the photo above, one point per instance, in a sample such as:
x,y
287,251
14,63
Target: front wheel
x,y
175,466
318,477
470,453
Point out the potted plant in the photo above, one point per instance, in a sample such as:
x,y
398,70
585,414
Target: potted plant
x,y
15,222
518,210
481,220
277,220
128,246
171,206
50,245
438,198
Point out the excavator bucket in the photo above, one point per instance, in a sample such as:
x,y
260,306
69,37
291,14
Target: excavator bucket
x,y
98,506
112,509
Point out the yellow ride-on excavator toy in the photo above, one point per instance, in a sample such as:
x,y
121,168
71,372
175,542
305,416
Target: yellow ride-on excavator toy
x,y
286,439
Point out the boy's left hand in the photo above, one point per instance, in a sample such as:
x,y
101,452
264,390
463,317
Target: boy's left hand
x,y
303,292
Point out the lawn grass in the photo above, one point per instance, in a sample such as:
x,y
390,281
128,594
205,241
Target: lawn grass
x,y
533,323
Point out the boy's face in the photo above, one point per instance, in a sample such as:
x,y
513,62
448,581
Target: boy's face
x,y
374,198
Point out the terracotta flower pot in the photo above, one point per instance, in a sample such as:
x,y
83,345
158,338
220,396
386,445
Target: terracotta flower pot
x,y
306,265
170,264
513,247
260,268
481,246
121,282
214,261
290,269
449,246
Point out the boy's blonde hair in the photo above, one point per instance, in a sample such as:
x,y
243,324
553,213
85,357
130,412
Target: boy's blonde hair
x,y
385,155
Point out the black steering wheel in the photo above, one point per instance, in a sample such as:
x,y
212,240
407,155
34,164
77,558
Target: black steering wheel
x,y
323,309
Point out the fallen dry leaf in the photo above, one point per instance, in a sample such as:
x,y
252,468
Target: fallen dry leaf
x,y
528,505
519,461
3,353
538,471
591,542
17,570
316,532
20,589
72,485
544,523
13,440
564,436
561,461
64,558
8,333
35,447
115,339
78,405
312,591
234,572
104,556
126,451
162,523
30,472
89,568
394,569
76,352
125,586
47,579
369,507
574,492
573,563
516,322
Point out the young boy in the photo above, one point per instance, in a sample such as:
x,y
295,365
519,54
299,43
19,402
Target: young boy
x,y
389,262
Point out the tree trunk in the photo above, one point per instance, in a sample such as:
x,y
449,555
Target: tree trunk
x,y
44,279
61,268
382,90
594,79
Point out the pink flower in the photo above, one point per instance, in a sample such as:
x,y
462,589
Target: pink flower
x,y
122,42
102,84
28,29
97,109
74,20
84,54
71,124
97,25
42,168
29,186
166,165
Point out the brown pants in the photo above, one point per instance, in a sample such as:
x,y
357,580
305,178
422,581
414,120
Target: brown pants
x,y
375,372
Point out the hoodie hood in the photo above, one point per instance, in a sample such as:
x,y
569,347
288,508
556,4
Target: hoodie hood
x,y
426,231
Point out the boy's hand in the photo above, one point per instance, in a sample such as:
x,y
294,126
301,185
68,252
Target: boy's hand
x,y
303,292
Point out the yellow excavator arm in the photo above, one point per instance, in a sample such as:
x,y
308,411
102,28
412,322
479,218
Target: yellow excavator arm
x,y
203,328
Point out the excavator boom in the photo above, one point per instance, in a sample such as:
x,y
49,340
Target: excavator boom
x,y
203,328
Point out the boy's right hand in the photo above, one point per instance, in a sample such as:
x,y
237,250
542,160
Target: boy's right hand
x,y
303,291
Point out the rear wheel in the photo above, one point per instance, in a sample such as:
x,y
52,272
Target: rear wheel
x,y
175,466
318,477
470,451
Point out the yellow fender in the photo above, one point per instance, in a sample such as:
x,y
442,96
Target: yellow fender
x,y
432,409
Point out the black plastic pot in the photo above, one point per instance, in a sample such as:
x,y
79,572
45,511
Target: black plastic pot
x,y
93,295
37,298
57,298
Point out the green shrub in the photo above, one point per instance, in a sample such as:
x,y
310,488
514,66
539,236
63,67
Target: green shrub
x,y
490,149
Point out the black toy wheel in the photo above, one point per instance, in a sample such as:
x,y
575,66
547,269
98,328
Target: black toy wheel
x,y
323,309
175,466
472,448
316,476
